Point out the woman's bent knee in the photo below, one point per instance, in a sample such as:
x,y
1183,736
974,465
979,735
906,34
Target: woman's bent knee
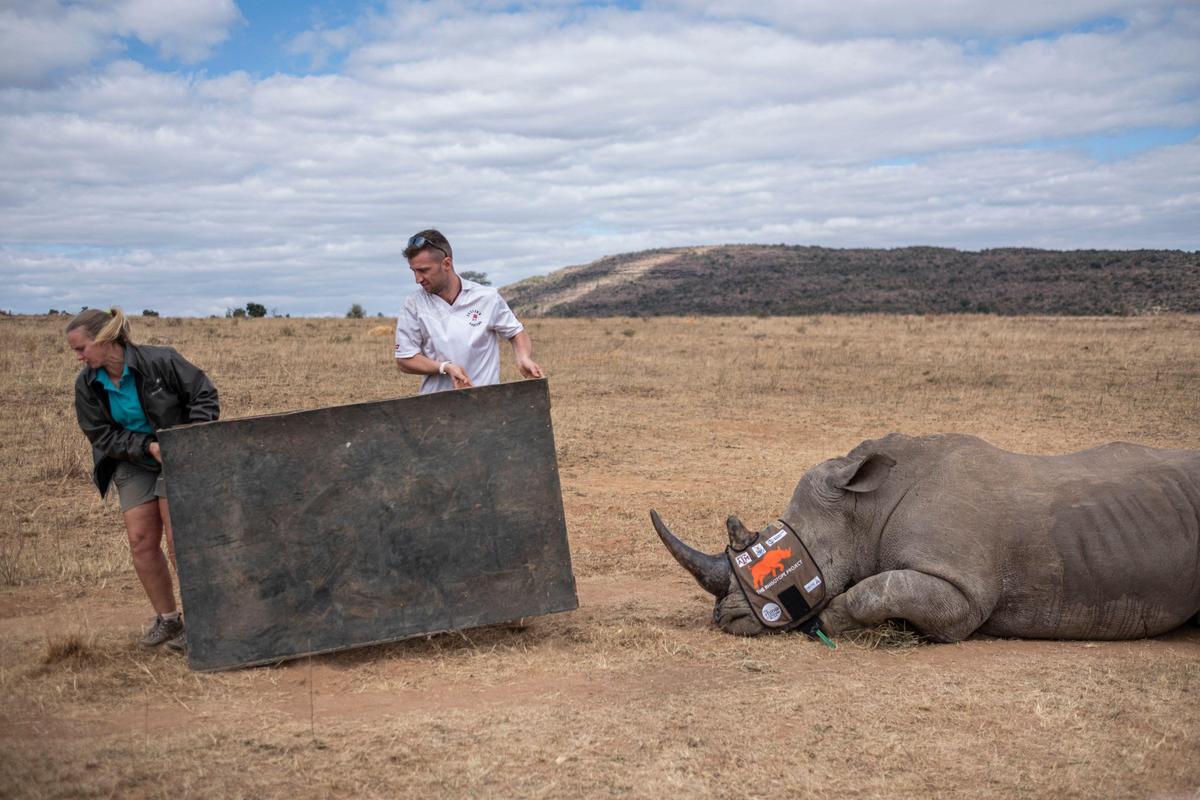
x,y
144,526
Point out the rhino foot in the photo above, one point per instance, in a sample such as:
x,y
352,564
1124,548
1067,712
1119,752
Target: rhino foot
x,y
930,604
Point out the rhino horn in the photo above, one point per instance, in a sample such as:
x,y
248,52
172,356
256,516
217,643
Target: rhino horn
x,y
711,572
739,537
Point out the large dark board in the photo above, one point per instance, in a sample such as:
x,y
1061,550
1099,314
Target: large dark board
x,y
322,530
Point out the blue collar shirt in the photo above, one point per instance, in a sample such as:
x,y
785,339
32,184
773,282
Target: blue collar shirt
x,y
123,401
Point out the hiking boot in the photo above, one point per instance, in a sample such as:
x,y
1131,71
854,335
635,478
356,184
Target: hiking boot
x,y
179,643
161,630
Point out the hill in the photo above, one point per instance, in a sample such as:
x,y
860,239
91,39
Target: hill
x,y
786,280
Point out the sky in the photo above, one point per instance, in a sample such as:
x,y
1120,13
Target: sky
x,y
190,156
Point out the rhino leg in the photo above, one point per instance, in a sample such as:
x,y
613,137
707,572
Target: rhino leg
x,y
933,606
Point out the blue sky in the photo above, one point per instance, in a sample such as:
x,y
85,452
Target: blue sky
x,y
259,43
194,155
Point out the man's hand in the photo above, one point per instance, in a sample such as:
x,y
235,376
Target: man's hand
x,y
522,347
459,376
529,368
421,365
155,451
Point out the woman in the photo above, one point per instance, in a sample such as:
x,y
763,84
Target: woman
x,y
123,395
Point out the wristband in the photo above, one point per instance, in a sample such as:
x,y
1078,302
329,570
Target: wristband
x,y
442,367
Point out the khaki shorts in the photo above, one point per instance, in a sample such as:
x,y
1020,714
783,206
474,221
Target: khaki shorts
x,y
137,484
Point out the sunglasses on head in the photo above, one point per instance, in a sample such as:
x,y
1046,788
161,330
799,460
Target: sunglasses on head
x,y
419,242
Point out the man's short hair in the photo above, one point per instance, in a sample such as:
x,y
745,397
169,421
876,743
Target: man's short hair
x,y
425,240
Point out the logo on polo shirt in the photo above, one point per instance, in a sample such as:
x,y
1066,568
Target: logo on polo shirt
x,y
474,317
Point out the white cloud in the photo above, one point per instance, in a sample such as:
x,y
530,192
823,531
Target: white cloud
x,y
321,45
184,29
923,18
547,136
42,39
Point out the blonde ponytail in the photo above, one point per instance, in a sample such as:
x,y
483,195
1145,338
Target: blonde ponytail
x,y
116,329
110,326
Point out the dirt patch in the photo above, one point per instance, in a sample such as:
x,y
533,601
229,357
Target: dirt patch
x,y
634,694
625,272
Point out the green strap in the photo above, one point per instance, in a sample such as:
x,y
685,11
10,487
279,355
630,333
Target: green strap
x,y
828,642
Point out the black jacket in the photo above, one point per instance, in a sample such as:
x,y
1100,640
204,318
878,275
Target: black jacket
x,y
173,391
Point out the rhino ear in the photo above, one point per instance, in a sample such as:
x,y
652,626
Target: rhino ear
x,y
864,475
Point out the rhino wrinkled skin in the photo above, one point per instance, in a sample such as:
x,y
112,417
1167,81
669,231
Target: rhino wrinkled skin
x,y
957,536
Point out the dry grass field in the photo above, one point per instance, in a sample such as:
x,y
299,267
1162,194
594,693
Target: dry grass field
x,y
635,694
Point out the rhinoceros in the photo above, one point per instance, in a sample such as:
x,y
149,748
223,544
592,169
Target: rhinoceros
x,y
955,535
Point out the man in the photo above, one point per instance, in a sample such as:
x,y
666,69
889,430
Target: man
x,y
448,331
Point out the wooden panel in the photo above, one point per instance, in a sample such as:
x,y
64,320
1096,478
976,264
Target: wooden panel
x,y
320,530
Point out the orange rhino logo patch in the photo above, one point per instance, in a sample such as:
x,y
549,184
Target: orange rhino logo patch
x,y
770,565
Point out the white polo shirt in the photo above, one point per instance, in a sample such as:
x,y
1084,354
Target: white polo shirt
x,y
464,333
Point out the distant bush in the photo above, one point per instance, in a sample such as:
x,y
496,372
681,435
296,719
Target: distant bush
x,y
256,310
149,312
356,312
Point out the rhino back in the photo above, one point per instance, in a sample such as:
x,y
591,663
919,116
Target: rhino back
x,y
1129,543
1102,543
1110,547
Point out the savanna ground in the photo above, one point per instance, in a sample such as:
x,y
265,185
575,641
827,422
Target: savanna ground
x,y
634,694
